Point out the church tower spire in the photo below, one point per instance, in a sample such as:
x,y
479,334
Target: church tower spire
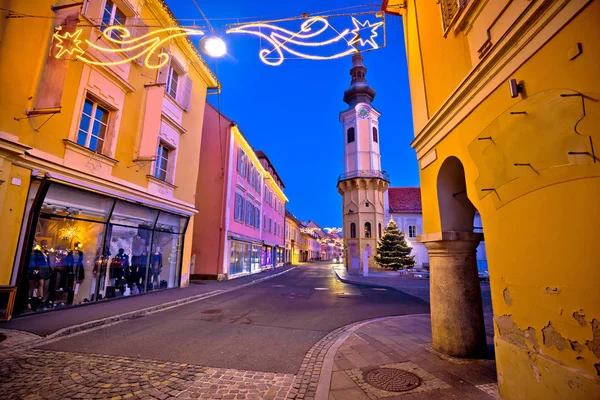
x,y
359,90
363,183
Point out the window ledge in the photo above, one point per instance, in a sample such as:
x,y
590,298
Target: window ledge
x,y
77,148
152,178
160,188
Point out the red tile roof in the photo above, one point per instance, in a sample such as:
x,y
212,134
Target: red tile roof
x,y
405,200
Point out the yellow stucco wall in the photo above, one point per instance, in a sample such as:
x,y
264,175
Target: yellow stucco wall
x,y
24,49
541,231
13,197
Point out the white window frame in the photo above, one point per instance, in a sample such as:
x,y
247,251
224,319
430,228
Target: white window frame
x,y
238,212
412,231
169,84
113,13
157,162
90,128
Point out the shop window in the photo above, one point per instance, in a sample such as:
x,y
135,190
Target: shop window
x,y
89,247
129,214
161,165
367,229
93,126
241,258
112,15
353,230
350,135
375,138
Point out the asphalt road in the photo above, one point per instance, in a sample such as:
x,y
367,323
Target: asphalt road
x,y
268,326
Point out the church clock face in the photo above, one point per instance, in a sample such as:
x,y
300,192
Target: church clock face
x,y
363,113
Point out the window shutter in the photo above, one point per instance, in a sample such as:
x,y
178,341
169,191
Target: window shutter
x,y
187,94
137,29
52,81
151,122
163,72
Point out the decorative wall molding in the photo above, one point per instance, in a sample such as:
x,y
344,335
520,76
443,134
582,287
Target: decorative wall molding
x,y
534,29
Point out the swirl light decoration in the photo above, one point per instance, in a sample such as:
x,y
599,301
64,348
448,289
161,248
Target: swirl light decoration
x,y
131,48
308,36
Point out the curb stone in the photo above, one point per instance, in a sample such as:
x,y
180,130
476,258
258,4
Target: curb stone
x,y
324,380
313,378
376,285
115,319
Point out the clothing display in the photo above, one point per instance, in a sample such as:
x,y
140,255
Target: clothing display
x,y
119,265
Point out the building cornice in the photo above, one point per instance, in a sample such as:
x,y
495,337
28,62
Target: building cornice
x,y
537,25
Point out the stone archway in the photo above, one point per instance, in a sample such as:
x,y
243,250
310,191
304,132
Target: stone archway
x,y
455,293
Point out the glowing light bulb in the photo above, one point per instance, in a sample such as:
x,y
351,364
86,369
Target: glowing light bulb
x,y
213,46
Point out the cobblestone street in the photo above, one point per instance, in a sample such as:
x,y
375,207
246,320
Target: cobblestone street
x,y
40,374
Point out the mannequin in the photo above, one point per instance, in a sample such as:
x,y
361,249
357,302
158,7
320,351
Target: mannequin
x,y
155,268
38,273
119,267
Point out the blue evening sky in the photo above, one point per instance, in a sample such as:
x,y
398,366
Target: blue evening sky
x,y
291,112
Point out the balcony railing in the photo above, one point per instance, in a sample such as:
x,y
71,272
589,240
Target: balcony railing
x,y
364,173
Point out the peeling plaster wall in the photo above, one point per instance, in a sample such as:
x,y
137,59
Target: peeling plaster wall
x,y
544,281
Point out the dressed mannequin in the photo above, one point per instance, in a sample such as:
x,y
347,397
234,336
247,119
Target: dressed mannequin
x,y
100,267
38,273
155,268
119,267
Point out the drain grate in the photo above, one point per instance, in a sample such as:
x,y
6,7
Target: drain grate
x,y
392,379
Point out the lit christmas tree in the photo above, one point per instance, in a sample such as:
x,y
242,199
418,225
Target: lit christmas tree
x,y
392,249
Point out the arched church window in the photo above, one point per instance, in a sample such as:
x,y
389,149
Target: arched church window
x,y
379,230
350,135
375,139
353,230
367,229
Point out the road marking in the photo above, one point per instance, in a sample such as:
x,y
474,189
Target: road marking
x,y
381,289
321,288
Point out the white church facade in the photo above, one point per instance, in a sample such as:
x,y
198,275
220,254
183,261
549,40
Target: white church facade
x,y
403,205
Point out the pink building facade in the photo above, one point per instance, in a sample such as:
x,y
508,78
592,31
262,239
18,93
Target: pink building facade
x,y
240,225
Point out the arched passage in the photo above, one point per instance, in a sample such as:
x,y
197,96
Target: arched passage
x,y
455,294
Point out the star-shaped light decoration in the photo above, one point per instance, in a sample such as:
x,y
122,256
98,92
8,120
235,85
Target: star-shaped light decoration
x,y
363,42
67,42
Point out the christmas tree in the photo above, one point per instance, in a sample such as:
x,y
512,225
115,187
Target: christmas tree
x,y
392,249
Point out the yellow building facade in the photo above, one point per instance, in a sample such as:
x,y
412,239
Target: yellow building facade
x,y
506,109
97,157
292,238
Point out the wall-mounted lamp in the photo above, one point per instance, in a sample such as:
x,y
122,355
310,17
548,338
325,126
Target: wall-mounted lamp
x,y
515,88
367,204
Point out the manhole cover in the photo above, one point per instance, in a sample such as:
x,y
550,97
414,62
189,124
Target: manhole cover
x,y
212,311
392,379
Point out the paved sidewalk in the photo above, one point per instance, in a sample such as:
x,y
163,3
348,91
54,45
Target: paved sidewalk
x,y
379,277
96,314
401,343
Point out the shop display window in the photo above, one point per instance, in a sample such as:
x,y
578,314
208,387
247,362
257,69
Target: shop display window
x,y
86,247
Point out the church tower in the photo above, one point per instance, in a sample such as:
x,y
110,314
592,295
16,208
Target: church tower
x,y
363,183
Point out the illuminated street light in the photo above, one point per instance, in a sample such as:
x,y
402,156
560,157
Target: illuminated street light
x,y
213,46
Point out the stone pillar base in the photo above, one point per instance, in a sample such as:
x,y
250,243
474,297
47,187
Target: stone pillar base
x,y
455,295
